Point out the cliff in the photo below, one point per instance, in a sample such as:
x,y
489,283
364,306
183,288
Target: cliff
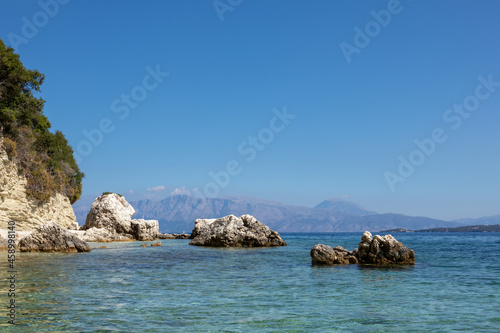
x,y
29,214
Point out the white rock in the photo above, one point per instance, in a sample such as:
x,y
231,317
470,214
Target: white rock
x,y
110,211
29,214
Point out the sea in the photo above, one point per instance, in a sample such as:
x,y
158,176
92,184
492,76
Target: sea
x,y
454,286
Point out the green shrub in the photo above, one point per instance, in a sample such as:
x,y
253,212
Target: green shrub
x,y
10,147
45,158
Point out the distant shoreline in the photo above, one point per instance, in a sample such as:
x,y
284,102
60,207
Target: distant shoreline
x,y
467,228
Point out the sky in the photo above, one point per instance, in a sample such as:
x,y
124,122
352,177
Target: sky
x,y
390,104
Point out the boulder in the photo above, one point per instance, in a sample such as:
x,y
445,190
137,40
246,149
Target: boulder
x,y
144,230
326,255
110,211
383,250
380,250
158,243
51,237
110,220
232,231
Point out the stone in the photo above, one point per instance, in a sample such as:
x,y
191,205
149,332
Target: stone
x,y
51,237
232,231
144,245
101,235
384,250
379,250
4,244
29,214
110,220
156,244
144,230
366,237
182,236
110,211
326,255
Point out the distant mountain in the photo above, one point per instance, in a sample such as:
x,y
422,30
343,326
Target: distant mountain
x,y
487,220
344,206
178,212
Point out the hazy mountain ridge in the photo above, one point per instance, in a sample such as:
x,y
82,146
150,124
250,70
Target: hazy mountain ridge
x,y
177,214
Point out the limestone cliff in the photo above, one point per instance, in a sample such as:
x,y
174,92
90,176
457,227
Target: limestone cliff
x,y
28,214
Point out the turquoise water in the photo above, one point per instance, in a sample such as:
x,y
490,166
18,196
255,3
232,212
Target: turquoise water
x,y
180,288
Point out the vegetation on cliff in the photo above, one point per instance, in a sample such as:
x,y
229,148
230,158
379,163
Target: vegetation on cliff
x,y
45,158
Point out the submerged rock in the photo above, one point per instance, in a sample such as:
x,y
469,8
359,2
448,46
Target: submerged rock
x,y
382,250
51,237
156,244
232,231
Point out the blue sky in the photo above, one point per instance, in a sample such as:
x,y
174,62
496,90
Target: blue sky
x,y
353,116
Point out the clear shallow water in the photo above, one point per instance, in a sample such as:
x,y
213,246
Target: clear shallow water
x,y
180,288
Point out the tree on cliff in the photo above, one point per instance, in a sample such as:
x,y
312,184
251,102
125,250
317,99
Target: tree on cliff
x,y
44,157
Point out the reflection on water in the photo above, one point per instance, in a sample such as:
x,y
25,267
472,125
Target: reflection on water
x,y
182,288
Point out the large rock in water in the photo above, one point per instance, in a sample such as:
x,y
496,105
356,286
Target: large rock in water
x,y
110,211
380,250
51,237
232,231
325,255
383,250
110,220
145,230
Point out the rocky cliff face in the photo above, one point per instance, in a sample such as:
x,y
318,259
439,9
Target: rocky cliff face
x,y
28,214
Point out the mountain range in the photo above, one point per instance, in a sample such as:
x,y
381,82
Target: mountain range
x,y
177,213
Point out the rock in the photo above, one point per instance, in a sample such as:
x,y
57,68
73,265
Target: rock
x,y
101,235
367,237
156,244
29,214
384,250
109,220
182,236
144,245
166,236
144,230
100,247
325,255
381,250
4,244
110,211
174,236
232,231
51,237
